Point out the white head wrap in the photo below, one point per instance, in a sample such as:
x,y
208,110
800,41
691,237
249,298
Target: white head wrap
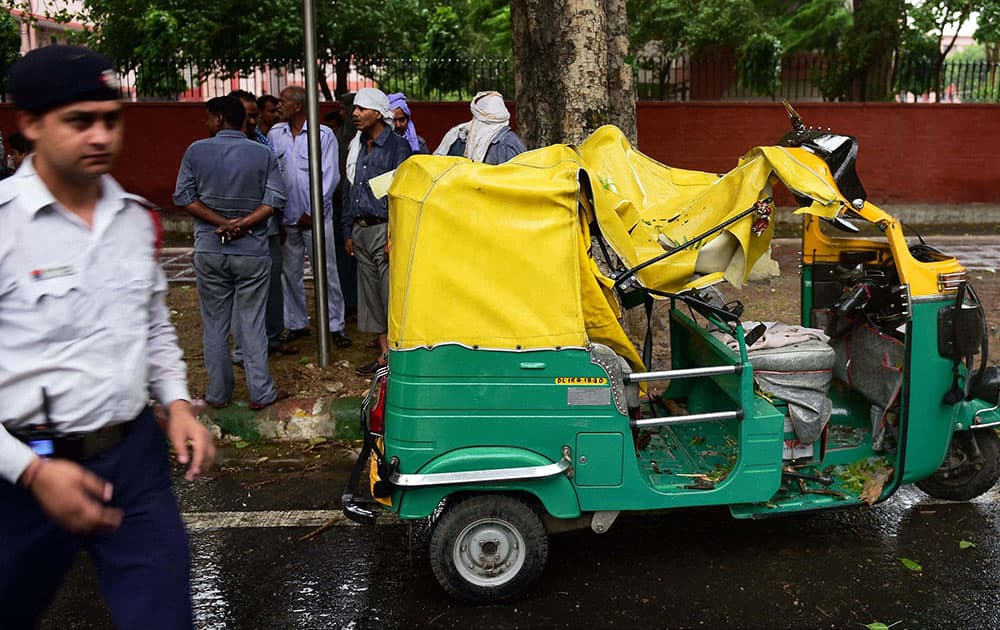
x,y
366,98
489,117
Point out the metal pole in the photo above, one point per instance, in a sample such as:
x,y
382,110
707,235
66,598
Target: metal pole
x,y
316,184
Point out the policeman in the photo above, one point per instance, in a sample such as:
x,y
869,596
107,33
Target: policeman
x,y
85,341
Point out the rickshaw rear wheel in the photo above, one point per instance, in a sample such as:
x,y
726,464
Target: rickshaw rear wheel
x,y
965,475
488,548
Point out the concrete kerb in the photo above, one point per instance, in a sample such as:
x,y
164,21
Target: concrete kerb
x,y
294,419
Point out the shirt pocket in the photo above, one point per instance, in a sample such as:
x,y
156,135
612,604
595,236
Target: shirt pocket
x,y
57,305
302,158
125,297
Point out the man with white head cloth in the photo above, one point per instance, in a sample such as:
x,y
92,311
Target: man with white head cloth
x,y
374,150
487,137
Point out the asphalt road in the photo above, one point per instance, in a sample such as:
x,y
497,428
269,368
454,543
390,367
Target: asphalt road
x,y
254,568
682,569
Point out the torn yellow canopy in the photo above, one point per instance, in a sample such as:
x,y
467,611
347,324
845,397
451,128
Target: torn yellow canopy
x,y
499,256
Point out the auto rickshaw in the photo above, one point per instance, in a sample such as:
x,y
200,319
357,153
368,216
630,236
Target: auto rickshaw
x,y
514,405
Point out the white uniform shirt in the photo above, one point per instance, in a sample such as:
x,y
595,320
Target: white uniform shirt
x,y
82,314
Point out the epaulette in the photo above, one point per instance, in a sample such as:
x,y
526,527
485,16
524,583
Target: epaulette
x,y
142,201
154,214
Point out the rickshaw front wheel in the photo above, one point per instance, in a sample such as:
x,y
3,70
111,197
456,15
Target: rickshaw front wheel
x,y
488,548
971,467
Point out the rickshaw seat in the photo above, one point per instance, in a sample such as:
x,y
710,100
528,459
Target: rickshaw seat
x,y
795,364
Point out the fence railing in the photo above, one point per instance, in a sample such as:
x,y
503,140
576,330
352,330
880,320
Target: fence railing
x,y
814,77
421,79
801,77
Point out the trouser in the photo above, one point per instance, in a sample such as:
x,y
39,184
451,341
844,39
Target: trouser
x,y
231,285
373,277
274,311
143,567
298,244
347,267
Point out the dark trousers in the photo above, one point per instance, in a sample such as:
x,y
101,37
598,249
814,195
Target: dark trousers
x,y
274,312
143,567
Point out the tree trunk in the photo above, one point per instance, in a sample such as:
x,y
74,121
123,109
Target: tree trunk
x,y
343,69
570,72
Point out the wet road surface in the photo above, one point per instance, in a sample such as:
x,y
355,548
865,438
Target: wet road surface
x,y
683,569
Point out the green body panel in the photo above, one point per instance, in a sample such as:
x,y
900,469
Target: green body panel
x,y
555,493
454,408
929,422
806,285
599,459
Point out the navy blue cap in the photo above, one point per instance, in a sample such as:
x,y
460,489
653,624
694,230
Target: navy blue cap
x,y
53,76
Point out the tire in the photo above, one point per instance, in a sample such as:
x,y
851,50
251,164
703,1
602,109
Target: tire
x,y
963,476
488,548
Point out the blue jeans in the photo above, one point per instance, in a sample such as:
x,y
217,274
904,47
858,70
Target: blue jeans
x,y
234,286
144,567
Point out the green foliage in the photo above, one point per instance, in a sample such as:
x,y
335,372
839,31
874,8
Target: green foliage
x,y
760,63
815,25
10,41
917,63
444,41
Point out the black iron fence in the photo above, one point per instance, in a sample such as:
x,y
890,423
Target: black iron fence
x,y
800,77
814,77
421,79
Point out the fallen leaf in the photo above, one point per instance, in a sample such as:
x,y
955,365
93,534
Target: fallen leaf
x,y
965,544
313,441
261,460
911,565
241,444
878,625
872,489
304,361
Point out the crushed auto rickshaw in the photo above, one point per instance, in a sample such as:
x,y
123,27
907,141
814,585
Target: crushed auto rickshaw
x,y
515,406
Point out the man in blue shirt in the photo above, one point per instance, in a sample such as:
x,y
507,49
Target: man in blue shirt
x,y
374,150
274,312
231,186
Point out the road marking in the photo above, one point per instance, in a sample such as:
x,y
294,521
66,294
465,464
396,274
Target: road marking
x,y
202,521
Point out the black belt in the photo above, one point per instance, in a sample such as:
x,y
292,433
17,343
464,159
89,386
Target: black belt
x,y
368,220
77,446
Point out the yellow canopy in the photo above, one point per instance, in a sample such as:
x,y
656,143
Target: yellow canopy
x,y
499,256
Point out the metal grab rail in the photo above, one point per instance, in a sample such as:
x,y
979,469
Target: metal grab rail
x,y
688,419
638,377
715,370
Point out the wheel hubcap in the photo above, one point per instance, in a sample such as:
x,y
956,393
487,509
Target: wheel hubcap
x,y
489,552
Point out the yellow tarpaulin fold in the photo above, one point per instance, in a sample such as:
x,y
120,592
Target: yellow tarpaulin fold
x,y
499,256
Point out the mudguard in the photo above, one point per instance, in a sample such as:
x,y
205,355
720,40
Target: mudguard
x,y
556,493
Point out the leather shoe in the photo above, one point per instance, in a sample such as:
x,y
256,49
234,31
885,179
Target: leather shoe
x,y
282,395
215,405
340,339
290,334
369,369
281,347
